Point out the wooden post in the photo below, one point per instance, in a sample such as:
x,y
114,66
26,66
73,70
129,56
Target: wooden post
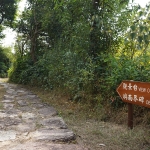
x,y
130,116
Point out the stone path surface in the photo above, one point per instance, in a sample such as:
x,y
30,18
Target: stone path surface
x,y
28,124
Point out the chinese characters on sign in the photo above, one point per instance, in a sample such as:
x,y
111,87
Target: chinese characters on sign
x,y
135,92
133,97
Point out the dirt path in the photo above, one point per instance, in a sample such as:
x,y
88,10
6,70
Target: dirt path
x,y
28,124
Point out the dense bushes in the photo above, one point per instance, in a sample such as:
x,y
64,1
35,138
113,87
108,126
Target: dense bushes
x,y
4,63
123,68
75,74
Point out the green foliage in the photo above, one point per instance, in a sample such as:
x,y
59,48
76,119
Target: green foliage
x,y
79,46
139,29
18,70
131,62
123,68
4,62
7,14
8,11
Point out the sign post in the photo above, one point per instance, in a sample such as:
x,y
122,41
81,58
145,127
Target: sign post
x,y
130,116
133,92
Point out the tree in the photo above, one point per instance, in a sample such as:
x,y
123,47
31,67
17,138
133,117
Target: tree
x,y
7,14
30,28
72,38
138,37
4,61
7,11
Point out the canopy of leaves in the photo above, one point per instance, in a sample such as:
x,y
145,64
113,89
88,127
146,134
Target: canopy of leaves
x,y
7,11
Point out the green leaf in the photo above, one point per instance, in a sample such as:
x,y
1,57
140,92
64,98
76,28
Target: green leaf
x,y
133,35
140,38
133,27
141,28
146,29
146,42
140,13
145,37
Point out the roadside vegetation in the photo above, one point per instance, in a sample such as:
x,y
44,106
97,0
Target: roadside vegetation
x,y
5,61
7,16
2,92
85,48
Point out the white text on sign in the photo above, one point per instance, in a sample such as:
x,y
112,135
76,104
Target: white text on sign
x,y
135,88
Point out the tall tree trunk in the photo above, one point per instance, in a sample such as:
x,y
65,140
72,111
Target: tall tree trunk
x,y
94,38
33,49
94,44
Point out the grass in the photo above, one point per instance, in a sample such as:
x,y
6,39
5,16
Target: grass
x,y
90,128
2,93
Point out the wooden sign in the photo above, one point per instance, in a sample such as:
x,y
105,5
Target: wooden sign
x,y
135,92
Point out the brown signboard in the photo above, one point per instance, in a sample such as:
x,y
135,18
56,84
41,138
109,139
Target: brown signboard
x,y
135,92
